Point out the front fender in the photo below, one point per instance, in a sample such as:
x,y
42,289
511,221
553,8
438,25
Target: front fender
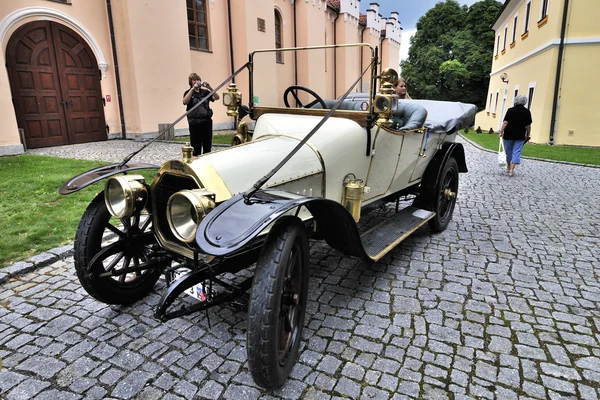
x,y
87,178
234,223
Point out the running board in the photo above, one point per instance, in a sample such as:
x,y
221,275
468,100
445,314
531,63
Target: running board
x,y
381,239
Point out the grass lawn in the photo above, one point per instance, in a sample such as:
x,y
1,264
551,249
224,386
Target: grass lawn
x,y
217,139
33,216
581,155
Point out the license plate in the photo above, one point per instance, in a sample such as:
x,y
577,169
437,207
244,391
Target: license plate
x,y
196,291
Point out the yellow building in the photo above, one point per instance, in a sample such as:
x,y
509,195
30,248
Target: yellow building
x,y
548,50
88,70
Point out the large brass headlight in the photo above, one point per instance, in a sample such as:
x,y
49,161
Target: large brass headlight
x,y
186,209
125,194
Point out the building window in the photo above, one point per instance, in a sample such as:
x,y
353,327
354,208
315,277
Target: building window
x,y
514,38
496,104
527,15
278,35
516,94
489,108
197,24
62,1
544,13
505,37
497,45
530,96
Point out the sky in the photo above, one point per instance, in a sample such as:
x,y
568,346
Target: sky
x,y
410,11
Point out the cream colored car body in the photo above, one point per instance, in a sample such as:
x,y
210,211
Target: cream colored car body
x,y
319,168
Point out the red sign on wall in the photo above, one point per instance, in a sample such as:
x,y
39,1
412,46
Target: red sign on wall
x,y
108,98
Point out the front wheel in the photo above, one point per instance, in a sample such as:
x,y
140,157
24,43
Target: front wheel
x,y
102,265
278,303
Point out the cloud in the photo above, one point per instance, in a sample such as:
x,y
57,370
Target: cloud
x,y
405,45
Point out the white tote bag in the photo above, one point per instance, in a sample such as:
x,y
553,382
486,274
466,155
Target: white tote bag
x,y
501,154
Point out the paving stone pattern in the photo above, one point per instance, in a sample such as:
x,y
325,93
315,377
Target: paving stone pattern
x,y
503,304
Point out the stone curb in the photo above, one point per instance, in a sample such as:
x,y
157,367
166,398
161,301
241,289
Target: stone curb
x,y
477,146
38,261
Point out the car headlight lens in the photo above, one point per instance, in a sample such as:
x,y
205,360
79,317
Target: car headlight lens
x,y
185,211
125,194
227,99
382,104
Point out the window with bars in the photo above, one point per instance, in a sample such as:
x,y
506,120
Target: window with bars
x,y
197,24
278,38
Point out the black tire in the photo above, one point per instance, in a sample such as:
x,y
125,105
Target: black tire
x,y
443,199
134,242
278,304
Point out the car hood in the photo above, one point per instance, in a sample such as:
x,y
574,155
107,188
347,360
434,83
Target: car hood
x,y
329,150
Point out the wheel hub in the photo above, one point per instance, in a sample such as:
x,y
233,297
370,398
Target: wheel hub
x,y
448,194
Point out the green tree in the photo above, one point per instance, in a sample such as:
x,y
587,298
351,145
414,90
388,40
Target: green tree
x,y
449,56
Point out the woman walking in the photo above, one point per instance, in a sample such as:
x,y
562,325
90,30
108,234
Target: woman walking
x,y
515,131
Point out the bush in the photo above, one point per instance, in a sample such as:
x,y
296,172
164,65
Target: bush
x,y
466,130
491,131
478,130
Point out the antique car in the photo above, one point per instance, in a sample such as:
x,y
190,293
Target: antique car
x,y
307,171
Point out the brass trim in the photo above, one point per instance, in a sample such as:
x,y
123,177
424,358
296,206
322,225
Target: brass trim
x,y
525,35
503,52
315,150
513,44
496,57
542,22
391,246
210,179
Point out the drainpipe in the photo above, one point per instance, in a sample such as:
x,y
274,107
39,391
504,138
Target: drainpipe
x,y
230,40
335,55
235,119
111,27
362,52
561,48
381,52
295,45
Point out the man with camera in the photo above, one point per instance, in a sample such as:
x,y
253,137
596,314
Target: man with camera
x,y
200,118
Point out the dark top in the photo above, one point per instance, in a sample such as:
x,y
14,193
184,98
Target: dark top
x,y
203,111
518,117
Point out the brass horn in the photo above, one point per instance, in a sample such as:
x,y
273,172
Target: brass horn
x,y
389,75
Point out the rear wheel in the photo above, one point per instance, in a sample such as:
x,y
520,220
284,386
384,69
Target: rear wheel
x,y
101,263
278,304
443,197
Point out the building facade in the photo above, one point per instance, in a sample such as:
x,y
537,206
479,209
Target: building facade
x,y
547,50
88,70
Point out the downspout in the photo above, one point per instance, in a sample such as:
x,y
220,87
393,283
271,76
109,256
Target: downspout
x,y
235,119
295,45
362,53
113,43
561,48
335,55
230,40
381,52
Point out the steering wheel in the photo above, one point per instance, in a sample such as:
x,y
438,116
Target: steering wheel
x,y
294,89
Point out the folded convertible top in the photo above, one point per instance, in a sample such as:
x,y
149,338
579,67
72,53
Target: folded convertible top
x,y
442,116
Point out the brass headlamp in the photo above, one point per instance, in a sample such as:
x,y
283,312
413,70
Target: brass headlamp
x,y
386,102
232,99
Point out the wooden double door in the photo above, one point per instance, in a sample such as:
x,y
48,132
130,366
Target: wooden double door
x,y
55,84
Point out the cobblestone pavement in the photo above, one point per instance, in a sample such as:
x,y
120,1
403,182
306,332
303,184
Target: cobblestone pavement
x,y
503,304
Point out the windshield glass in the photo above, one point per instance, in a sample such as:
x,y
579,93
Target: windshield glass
x,y
305,78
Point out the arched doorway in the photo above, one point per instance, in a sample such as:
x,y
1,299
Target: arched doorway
x,y
55,84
